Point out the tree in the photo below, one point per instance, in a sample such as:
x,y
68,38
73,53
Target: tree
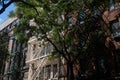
x,y
68,39
77,27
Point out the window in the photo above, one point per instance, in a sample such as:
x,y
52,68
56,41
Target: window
x,y
42,53
62,71
55,70
49,48
34,46
41,75
47,72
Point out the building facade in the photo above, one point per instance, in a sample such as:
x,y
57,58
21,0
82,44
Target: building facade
x,y
31,62
15,63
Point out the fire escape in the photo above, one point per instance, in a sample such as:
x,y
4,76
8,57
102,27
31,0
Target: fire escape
x,y
38,61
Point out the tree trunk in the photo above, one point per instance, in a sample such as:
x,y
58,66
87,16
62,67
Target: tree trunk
x,y
70,74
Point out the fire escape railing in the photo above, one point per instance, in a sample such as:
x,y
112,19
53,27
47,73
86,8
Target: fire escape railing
x,y
39,68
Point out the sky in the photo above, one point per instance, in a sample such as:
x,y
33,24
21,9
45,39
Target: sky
x,y
4,15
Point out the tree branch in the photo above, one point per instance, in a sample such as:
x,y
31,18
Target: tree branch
x,y
32,6
60,52
4,6
56,48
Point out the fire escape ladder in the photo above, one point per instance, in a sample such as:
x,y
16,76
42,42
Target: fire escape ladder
x,y
39,68
54,77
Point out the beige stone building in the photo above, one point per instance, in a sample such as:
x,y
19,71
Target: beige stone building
x,y
40,67
32,62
